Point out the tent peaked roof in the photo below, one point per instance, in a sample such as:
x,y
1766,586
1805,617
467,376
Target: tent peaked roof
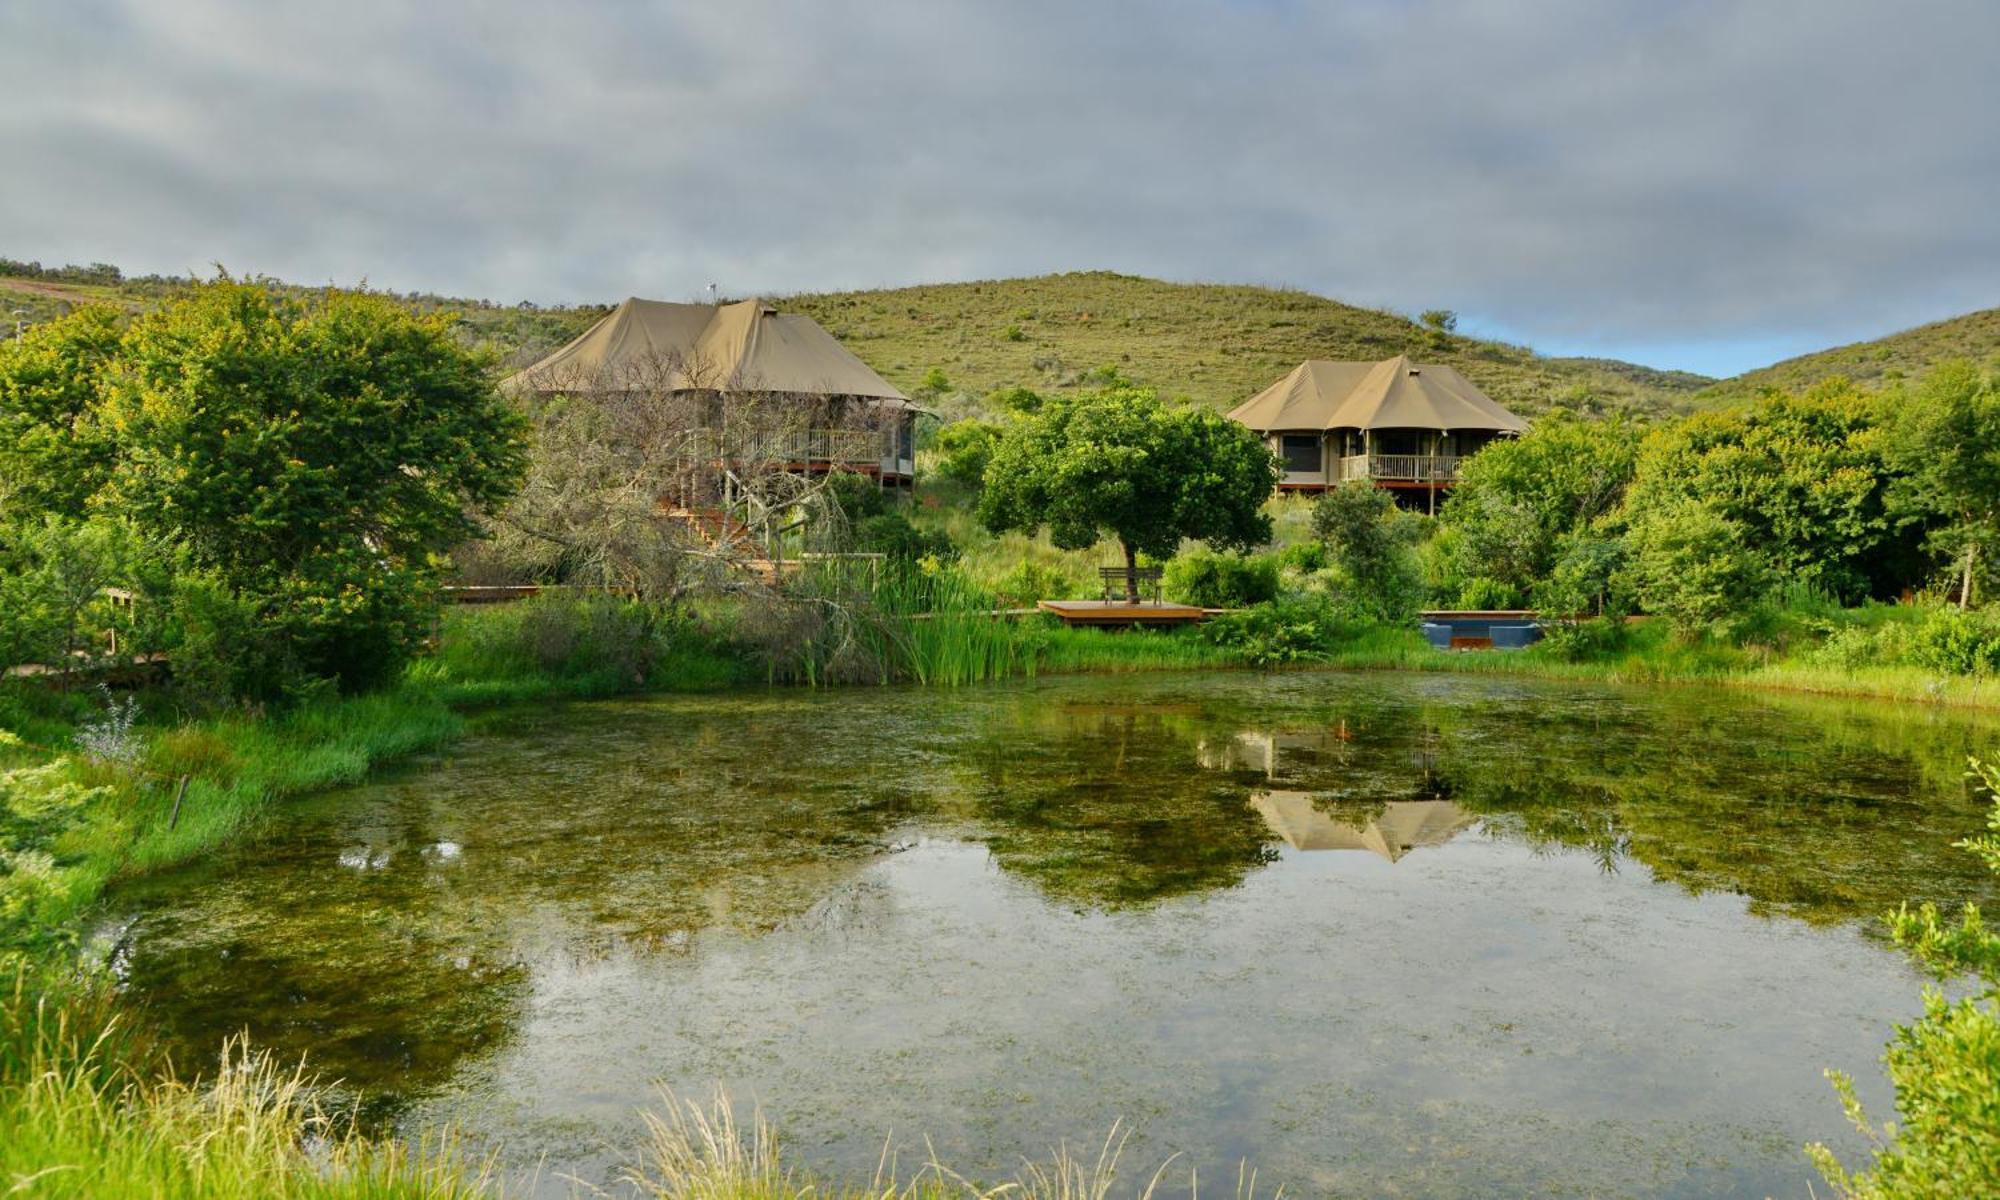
x,y
748,346
1392,394
1401,826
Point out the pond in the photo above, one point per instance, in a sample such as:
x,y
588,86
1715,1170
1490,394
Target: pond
x,y
1377,934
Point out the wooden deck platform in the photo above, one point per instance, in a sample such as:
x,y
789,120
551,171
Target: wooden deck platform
x,y
1119,612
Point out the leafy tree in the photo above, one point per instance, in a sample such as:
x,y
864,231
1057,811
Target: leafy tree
x,y
1804,479
1121,462
1693,565
1373,543
319,455
1948,445
1945,1065
964,448
53,454
1519,499
57,583
1439,320
1589,577
1015,400
935,383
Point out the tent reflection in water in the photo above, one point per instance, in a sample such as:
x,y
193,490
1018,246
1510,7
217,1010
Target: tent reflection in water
x,y
1399,827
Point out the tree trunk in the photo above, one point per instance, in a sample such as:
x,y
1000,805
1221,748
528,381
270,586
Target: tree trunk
x,y
1131,574
1965,588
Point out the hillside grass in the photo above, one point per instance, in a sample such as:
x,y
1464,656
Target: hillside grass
x,y
1217,344
1897,358
512,336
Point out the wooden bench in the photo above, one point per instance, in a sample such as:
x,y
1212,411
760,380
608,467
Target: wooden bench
x,y
1121,581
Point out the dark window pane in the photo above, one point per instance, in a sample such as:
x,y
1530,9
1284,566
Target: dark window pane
x,y
1301,453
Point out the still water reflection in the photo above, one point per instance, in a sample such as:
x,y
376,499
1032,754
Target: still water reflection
x,y
1381,935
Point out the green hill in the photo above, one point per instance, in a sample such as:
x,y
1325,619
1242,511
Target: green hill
x,y
516,334
1216,343
1905,355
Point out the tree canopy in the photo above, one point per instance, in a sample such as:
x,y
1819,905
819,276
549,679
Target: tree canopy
x,y
1520,499
1121,462
305,463
1805,479
1947,443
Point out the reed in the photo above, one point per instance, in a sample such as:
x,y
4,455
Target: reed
x,y
87,1113
704,1151
949,633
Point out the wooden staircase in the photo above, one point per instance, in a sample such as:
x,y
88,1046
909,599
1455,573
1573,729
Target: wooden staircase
x,y
730,538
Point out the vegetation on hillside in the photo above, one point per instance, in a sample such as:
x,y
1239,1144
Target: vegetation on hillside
x,y
507,335
1217,344
1881,362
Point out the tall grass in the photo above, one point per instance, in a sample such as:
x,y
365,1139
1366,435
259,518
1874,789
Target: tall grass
x,y
86,1114
696,1151
943,631
948,634
938,627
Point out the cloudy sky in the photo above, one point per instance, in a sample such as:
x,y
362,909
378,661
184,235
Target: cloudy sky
x,y
1704,185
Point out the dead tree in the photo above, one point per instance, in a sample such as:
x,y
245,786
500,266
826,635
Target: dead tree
x,y
668,476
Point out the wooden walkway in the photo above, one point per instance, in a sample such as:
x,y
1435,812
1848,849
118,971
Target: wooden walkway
x,y
1120,612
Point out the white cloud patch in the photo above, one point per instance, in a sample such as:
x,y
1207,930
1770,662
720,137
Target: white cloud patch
x,y
1578,172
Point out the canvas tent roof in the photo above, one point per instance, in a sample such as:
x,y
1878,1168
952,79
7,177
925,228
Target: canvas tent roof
x,y
1392,394
748,346
1402,824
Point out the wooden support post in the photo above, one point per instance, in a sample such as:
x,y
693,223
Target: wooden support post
x,y
175,818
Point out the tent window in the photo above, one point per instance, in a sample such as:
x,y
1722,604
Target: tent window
x,y
1302,452
906,438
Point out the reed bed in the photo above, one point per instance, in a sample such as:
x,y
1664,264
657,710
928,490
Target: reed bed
x,y
88,1113
704,1151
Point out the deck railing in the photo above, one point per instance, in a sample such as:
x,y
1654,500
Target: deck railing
x,y
1402,468
850,446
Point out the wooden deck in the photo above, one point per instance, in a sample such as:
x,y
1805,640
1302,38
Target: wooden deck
x,y
1119,612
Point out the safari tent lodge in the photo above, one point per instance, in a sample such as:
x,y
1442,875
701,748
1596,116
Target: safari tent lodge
x,y
1398,424
745,381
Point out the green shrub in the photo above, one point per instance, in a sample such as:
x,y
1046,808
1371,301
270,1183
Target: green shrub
x,y
1304,557
1945,1065
38,804
1031,581
1484,593
1850,647
596,639
1957,642
1290,630
1588,579
219,649
891,533
1210,580
1373,545
1694,566
1586,641
964,448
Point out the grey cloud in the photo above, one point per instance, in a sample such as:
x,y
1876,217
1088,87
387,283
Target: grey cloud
x,y
1581,170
